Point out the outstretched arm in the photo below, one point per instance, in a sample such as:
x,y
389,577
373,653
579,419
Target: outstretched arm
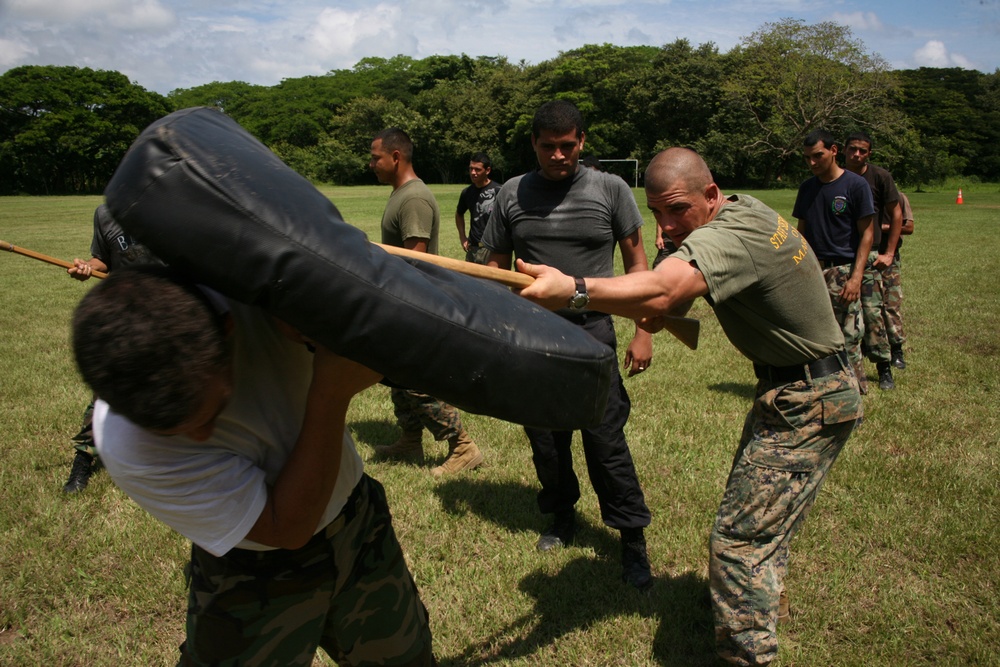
x,y
644,295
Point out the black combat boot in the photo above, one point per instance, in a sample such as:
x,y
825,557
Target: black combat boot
x,y
635,561
79,476
885,380
897,357
560,533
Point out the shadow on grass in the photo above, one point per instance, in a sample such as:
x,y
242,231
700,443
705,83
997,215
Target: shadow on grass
x,y
584,592
741,389
373,432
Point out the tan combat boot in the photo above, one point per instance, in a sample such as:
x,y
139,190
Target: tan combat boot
x,y
784,609
462,455
409,447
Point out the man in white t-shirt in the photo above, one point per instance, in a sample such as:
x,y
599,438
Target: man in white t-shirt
x,y
218,421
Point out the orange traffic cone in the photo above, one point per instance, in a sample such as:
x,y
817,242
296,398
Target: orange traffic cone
x,y
959,200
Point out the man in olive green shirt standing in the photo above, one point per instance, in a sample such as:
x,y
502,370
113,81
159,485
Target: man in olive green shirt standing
x,y
411,220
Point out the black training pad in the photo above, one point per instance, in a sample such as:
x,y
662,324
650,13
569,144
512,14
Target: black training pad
x,y
212,201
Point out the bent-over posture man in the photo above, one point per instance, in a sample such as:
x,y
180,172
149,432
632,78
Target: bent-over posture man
x,y
766,288
218,421
573,218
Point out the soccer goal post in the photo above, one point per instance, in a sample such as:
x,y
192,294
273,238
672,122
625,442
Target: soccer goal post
x,y
620,171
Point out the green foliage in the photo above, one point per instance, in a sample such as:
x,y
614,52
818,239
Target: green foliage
x,y
957,112
790,78
65,129
746,111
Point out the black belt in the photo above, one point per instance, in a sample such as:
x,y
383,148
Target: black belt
x,y
814,369
581,319
830,263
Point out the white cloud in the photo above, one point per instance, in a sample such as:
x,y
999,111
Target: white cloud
x,y
859,20
145,15
935,54
336,32
13,52
127,14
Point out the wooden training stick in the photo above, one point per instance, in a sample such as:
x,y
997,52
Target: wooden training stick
x,y
685,329
10,247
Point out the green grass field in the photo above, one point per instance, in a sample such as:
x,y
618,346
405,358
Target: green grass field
x,y
898,563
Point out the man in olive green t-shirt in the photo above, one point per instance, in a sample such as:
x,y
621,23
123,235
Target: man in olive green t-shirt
x,y
411,220
768,291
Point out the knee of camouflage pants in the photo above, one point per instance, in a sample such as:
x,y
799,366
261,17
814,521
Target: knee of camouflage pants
x,y
874,338
892,304
790,440
415,411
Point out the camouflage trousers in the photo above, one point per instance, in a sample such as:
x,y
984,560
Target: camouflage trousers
x,y
850,318
874,340
415,411
477,254
84,440
790,440
348,591
892,303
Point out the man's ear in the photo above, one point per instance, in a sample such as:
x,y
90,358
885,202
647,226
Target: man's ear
x,y
712,192
228,325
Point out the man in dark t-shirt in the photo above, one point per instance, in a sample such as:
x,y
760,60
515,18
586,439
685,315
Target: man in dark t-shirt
x,y
574,218
835,212
885,197
478,200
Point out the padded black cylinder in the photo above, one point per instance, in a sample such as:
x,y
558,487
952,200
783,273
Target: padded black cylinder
x,y
211,200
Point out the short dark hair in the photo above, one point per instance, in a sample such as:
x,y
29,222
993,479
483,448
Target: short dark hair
x,y
147,341
483,159
817,136
860,136
557,116
592,162
395,139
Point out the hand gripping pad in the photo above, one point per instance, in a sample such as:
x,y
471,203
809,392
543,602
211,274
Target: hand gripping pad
x,y
211,200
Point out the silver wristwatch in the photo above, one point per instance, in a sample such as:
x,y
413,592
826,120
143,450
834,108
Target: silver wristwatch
x,y
580,299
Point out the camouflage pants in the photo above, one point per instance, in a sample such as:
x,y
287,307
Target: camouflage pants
x,y
84,440
348,591
477,254
892,303
875,342
850,318
415,411
790,440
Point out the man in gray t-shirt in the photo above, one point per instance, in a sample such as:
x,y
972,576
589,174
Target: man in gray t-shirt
x,y
573,218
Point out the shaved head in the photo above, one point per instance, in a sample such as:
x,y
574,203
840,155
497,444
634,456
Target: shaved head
x,y
677,168
681,193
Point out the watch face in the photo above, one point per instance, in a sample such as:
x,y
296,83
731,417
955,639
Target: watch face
x,y
579,301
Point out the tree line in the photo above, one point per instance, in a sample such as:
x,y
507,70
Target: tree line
x,y
64,129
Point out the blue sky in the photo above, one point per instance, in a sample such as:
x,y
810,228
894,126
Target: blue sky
x,y
168,44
